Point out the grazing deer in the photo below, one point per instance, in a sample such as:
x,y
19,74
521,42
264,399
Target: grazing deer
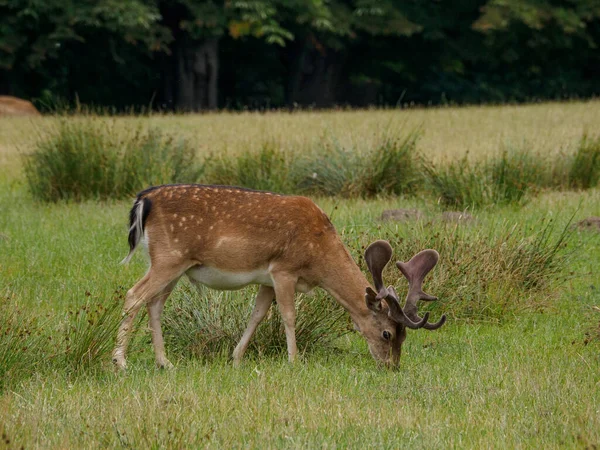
x,y
227,237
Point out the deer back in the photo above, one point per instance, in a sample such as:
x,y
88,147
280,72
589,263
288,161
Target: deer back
x,y
235,229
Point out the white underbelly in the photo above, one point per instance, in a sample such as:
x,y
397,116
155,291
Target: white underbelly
x,y
220,279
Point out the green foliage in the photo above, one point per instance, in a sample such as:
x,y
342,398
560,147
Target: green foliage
x,y
463,52
207,323
89,157
38,31
537,14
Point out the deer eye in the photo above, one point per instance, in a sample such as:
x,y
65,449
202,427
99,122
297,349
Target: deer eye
x,y
387,335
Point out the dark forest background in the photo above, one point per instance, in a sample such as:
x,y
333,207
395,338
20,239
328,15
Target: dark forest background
x,y
194,55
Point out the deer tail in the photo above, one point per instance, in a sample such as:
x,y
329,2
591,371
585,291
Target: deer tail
x,y
137,220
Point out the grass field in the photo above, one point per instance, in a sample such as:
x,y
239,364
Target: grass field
x,y
516,366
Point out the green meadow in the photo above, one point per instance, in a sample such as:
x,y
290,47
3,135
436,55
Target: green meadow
x,y
517,365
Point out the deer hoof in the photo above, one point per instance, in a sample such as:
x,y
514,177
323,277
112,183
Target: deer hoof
x,y
165,365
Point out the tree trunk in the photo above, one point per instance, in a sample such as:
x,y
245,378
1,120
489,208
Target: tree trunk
x,y
195,86
314,74
5,83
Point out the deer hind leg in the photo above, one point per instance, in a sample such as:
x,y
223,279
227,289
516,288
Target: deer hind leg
x,y
285,288
155,309
149,289
263,301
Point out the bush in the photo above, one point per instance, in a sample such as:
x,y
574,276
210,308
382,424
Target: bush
x,y
28,345
207,323
90,158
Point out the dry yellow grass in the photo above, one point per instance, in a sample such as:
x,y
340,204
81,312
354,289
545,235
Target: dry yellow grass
x,y
446,132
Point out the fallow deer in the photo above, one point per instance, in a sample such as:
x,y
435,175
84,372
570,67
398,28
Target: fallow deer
x,y
227,237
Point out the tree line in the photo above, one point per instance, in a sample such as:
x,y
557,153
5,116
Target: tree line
x,y
192,55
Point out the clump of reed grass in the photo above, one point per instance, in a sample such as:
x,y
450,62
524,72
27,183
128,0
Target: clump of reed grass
x,y
267,169
90,158
507,179
391,167
459,185
89,334
21,344
515,174
206,323
584,172
330,170
484,275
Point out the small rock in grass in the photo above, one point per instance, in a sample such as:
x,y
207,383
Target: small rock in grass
x,y
590,223
401,215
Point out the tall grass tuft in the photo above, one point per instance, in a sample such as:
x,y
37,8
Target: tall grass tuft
x,y
500,181
514,175
459,185
21,344
485,275
207,323
267,169
391,167
585,168
90,334
330,170
90,158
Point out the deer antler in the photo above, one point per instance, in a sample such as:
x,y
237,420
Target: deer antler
x,y
415,271
377,255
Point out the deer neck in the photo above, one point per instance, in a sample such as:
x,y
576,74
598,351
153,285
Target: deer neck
x,y
347,284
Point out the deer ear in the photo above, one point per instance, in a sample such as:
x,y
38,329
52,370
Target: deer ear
x,y
373,303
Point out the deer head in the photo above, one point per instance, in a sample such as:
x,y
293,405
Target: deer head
x,y
387,347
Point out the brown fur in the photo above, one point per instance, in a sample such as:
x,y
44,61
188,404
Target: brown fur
x,y
221,227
